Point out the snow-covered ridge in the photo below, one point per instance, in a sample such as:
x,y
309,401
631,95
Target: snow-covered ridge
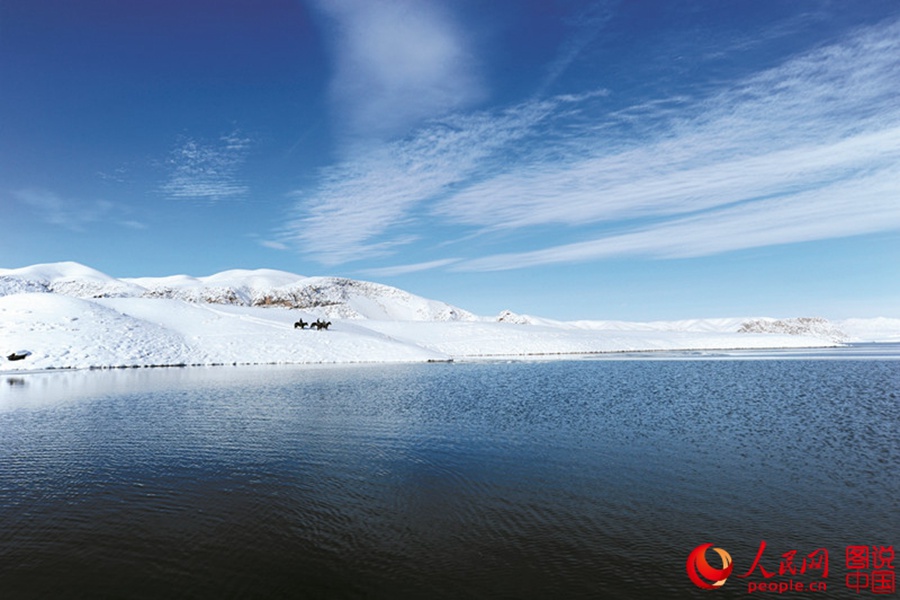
x,y
328,297
67,278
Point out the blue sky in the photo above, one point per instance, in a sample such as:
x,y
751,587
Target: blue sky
x,y
569,159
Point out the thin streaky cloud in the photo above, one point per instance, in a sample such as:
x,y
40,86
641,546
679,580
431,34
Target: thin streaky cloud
x,y
358,203
848,208
643,183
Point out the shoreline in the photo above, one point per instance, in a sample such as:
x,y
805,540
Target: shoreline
x,y
711,353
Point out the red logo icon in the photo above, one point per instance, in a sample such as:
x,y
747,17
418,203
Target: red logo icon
x,y
702,573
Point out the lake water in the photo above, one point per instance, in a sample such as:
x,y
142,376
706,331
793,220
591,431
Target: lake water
x,y
563,479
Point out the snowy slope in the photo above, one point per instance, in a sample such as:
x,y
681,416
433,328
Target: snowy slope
x,y
62,331
65,332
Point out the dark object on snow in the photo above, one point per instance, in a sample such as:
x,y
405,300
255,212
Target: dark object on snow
x,y
21,354
301,324
320,324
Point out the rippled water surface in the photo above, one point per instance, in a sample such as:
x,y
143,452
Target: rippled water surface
x,y
575,479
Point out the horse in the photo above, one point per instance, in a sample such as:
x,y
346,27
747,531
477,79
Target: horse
x,y
301,324
320,324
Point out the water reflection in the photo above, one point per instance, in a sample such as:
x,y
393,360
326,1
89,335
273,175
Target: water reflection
x,y
577,479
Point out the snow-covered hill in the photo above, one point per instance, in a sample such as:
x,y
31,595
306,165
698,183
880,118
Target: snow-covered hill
x,y
71,316
66,278
327,297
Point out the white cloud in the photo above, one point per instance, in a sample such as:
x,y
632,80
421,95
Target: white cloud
x,y
830,114
654,181
273,245
397,62
864,205
806,150
359,202
207,171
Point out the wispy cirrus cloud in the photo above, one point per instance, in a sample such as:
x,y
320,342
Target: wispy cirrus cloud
x,y
397,62
805,150
863,205
828,115
207,171
360,204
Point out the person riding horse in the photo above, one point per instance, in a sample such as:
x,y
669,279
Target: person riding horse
x,y
319,324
